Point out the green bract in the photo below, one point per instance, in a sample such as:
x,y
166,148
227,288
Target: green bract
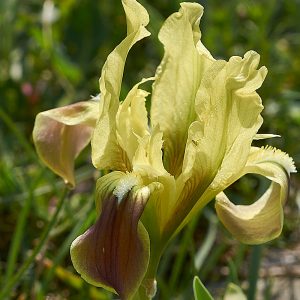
x,y
204,115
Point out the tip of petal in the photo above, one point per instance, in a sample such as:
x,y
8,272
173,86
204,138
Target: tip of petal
x,y
265,136
193,9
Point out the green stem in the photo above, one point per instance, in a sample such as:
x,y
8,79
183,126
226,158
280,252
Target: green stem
x,y
15,279
147,290
255,260
180,257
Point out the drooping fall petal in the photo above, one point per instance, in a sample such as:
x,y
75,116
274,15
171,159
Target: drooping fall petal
x,y
177,81
114,253
106,152
60,134
261,221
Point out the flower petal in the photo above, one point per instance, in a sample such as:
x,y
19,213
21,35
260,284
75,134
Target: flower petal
x,y
265,136
148,156
228,117
177,80
229,110
114,253
132,120
261,221
60,134
106,152
148,163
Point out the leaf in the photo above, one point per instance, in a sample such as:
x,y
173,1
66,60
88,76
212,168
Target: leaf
x,y
200,291
234,292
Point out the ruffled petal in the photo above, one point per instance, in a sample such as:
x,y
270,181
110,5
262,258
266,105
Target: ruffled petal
x,y
132,120
148,156
114,253
229,110
60,134
106,151
219,141
261,221
177,81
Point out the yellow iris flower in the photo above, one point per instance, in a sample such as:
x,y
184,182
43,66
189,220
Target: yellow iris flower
x,y
166,166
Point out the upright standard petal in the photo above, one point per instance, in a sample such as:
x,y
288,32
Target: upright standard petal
x,y
241,115
228,117
106,151
60,134
261,221
114,253
177,80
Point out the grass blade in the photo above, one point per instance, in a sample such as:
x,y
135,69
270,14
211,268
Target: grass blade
x,y
15,279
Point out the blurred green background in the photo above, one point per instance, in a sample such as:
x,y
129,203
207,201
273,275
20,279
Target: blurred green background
x,y
51,54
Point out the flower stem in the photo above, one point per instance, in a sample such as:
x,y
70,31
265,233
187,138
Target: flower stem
x,y
255,260
147,289
14,280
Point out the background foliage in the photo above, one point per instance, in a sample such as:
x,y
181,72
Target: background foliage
x,y
51,54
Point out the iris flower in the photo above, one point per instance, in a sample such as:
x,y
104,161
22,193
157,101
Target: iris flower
x,y
167,164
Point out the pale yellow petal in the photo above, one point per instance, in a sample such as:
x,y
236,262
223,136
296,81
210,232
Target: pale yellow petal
x,y
237,118
228,117
229,109
177,80
149,153
261,221
132,120
60,134
147,162
106,152
265,136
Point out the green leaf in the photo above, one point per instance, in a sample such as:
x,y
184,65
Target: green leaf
x,y
200,291
234,292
